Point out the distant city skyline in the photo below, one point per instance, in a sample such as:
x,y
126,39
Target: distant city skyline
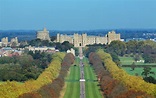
x,y
77,14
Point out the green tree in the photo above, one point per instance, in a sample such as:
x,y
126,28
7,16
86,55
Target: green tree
x,y
117,47
133,66
36,42
53,38
140,46
25,60
131,47
115,58
66,45
147,71
136,57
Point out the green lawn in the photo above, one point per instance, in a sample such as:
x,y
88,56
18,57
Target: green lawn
x,y
138,71
85,61
126,60
130,60
72,81
91,88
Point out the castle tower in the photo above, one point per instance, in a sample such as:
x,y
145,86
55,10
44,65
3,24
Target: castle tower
x,y
58,37
4,41
84,39
76,40
44,29
43,35
112,36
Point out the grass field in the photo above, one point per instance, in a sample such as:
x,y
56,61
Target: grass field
x,y
91,88
130,60
72,82
138,71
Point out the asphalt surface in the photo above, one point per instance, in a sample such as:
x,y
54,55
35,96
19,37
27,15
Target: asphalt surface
x,y
82,80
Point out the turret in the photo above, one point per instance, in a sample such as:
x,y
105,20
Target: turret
x,y
58,37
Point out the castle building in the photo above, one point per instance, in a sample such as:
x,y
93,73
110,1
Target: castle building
x,y
4,41
14,41
83,40
111,36
43,35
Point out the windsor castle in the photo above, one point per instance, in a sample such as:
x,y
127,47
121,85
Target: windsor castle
x,y
80,39
83,40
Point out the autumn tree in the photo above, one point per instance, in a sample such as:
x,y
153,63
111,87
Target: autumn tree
x,y
133,66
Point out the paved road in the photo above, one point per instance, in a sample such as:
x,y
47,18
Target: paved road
x,y
82,80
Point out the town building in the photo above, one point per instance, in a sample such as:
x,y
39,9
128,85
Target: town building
x,y
71,51
43,35
42,49
8,51
83,40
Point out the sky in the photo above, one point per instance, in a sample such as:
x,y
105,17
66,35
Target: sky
x,y
77,14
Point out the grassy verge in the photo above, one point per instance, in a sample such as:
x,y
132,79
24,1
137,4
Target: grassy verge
x,y
92,90
72,82
138,71
130,60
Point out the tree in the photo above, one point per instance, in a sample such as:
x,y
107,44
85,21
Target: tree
x,y
66,45
140,46
117,47
115,58
45,43
131,46
136,57
25,60
23,44
133,66
150,79
92,48
53,38
147,71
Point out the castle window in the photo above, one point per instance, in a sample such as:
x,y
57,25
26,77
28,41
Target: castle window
x,y
79,44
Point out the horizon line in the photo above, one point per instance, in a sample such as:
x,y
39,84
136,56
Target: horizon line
x,y
79,30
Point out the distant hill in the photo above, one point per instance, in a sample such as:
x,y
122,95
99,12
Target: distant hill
x,y
125,33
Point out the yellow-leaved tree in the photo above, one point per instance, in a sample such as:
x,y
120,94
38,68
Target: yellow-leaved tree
x,y
132,82
14,89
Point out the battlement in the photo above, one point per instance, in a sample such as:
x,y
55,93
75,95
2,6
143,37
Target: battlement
x,y
83,40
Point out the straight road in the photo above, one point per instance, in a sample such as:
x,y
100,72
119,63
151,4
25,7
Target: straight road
x,y
82,80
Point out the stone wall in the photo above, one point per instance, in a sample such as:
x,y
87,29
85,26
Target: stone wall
x,y
83,40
